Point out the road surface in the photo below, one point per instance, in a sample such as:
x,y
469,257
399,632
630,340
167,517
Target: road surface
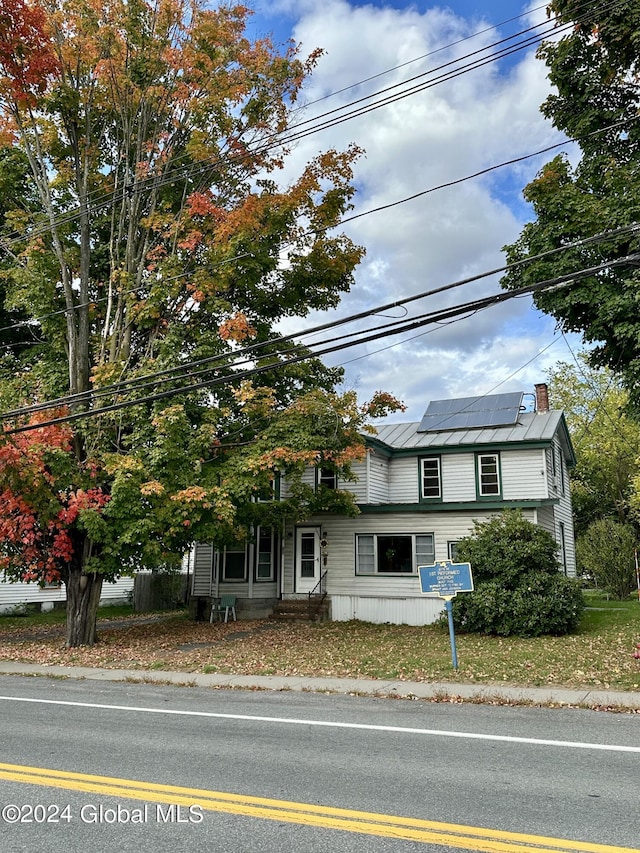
x,y
95,766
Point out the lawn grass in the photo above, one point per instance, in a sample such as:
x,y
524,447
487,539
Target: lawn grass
x,y
599,654
57,616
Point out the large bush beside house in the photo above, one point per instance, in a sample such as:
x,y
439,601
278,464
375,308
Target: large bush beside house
x,y
518,587
606,552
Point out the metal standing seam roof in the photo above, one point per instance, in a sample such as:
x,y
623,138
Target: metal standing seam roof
x,y
531,426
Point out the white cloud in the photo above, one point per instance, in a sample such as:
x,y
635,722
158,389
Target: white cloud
x,y
445,132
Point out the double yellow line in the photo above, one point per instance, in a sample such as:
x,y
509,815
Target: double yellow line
x,y
369,823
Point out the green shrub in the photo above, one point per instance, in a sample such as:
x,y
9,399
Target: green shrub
x,y
606,552
518,588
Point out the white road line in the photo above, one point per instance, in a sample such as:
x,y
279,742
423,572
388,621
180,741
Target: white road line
x,y
292,721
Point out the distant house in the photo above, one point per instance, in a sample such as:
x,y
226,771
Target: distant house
x,y
17,594
420,488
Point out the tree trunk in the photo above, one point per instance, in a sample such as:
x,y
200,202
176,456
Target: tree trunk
x,y
83,597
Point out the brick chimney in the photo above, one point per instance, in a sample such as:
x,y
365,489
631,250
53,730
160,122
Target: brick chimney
x,y
542,397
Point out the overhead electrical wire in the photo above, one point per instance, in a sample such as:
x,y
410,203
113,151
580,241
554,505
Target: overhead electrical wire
x,y
185,370
437,316
182,367
294,134
287,137
421,57
150,283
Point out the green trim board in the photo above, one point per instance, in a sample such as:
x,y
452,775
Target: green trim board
x,y
443,450
462,506
379,446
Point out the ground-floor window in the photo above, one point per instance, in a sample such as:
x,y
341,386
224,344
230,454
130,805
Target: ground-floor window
x,y
266,551
234,564
395,554
563,551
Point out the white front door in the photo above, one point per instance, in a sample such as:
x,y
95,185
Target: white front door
x,y
307,558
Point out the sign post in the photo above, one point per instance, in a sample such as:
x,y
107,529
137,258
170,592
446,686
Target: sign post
x,y
445,580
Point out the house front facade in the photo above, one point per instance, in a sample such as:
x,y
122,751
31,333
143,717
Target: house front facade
x,y
419,490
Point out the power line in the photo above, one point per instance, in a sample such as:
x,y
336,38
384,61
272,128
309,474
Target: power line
x,y
420,58
294,133
380,208
187,369
560,281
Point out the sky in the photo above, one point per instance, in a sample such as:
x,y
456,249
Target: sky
x,y
477,120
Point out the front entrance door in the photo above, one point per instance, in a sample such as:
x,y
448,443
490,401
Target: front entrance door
x,y
307,558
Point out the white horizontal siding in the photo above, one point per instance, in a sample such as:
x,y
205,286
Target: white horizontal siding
x,y
403,480
357,487
13,594
564,515
378,478
458,477
308,478
550,518
523,474
116,591
202,569
341,549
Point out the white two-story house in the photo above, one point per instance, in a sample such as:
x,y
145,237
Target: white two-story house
x,y
419,490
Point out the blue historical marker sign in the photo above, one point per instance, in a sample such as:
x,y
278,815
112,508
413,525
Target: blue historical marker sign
x,y
446,579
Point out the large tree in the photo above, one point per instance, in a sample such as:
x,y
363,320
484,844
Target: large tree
x,y
156,235
594,69
605,438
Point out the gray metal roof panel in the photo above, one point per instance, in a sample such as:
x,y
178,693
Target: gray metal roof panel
x,y
531,426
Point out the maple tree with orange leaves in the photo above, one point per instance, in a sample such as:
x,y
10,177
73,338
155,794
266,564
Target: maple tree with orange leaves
x,y
158,231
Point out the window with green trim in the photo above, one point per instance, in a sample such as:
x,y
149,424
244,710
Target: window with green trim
x,y
393,554
271,492
430,478
488,470
266,549
326,477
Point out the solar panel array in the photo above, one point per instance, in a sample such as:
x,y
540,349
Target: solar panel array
x,y
493,410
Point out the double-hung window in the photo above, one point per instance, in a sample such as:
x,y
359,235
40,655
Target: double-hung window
x,y
488,474
394,554
430,479
266,542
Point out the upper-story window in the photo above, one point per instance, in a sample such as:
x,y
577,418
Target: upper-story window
x,y
327,478
430,478
488,472
270,492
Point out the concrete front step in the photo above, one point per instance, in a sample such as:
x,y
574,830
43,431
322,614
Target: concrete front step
x,y
300,610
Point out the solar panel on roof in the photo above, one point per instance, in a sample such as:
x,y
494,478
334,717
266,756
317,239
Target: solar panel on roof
x,y
472,412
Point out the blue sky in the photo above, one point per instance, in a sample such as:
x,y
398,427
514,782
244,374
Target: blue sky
x,y
472,122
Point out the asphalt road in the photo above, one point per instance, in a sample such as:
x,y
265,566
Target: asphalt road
x,y
92,766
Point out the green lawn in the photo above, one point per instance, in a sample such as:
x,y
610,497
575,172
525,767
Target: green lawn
x,y
57,617
599,654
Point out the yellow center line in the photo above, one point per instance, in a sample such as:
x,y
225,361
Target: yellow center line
x,y
369,823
